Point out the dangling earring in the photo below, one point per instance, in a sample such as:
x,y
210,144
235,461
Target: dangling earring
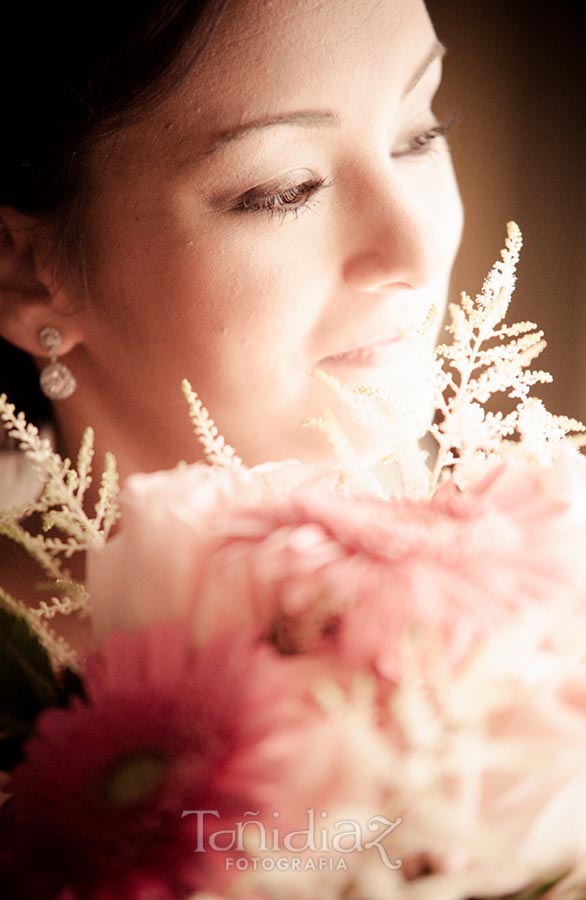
x,y
57,381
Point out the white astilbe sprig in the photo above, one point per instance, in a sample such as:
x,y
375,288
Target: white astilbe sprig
x,y
394,423
216,451
60,652
358,399
331,428
61,504
486,357
363,410
75,599
67,527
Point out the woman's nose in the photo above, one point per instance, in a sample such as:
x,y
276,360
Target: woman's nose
x,y
393,242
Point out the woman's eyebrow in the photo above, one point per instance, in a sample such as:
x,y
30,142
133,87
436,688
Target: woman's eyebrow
x,y
437,51
308,117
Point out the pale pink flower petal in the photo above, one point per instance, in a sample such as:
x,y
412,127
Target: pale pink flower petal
x,y
146,573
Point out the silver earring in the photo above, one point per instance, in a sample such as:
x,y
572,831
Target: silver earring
x,y
57,381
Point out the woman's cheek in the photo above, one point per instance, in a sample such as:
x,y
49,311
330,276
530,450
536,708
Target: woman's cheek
x,y
450,209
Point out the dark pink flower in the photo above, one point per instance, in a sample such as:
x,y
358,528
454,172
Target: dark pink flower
x,y
96,809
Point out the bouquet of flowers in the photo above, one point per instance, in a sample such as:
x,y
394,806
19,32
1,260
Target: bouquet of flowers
x,y
303,685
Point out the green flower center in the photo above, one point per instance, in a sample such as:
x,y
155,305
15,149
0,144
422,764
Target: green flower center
x,y
133,779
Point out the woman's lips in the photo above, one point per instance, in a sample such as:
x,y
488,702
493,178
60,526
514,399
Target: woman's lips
x,y
372,354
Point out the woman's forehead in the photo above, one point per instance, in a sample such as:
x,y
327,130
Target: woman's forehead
x,y
262,56
253,33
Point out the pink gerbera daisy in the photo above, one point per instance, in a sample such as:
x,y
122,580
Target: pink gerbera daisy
x,y
95,811
324,573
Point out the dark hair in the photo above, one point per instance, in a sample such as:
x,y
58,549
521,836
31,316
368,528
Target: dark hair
x,y
72,72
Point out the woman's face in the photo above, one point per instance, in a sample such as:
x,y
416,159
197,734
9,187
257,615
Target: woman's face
x,y
289,201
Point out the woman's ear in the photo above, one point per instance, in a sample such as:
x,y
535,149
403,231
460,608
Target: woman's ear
x,y
30,296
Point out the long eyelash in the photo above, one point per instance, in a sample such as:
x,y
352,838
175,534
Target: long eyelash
x,y
421,143
281,202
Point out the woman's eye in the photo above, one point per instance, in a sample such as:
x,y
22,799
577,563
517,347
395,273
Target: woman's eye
x,y
300,196
289,200
423,142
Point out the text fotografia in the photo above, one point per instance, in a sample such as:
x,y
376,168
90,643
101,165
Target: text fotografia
x,y
252,835
295,863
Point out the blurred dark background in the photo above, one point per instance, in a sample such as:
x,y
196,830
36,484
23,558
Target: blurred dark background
x,y
516,71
